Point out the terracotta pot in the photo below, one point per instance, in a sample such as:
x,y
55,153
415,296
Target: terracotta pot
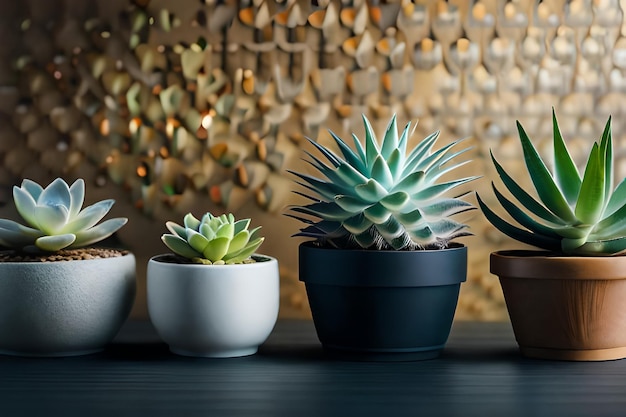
x,y
566,308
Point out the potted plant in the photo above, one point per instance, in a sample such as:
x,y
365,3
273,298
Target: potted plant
x,y
213,296
567,300
59,297
382,274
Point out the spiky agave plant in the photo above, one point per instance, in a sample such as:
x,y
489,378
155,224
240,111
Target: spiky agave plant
x,y
379,197
55,219
575,215
213,239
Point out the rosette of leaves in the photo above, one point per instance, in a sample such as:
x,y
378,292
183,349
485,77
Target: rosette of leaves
x,y
379,196
574,214
213,239
54,218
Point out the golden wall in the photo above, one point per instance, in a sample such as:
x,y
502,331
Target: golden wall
x,y
171,107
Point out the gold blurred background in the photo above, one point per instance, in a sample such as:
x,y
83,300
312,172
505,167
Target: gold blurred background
x,y
170,107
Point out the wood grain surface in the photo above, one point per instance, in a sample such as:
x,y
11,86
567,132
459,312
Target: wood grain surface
x,y
480,373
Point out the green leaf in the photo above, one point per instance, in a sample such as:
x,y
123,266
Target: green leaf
x,y
179,246
395,201
55,243
404,139
191,222
410,184
32,188
77,197
56,194
565,171
216,249
522,218
176,229
332,158
617,200
617,217
239,241
411,219
395,162
420,151
377,214
542,179
324,210
445,227
365,239
390,230
351,204
591,199
51,219
606,155
524,198
25,205
197,241
350,156
98,232
516,233
438,189
226,230
609,247
359,148
324,189
371,146
205,230
88,217
245,253
349,175
357,224
382,173
390,140
447,207
241,225
16,235
371,191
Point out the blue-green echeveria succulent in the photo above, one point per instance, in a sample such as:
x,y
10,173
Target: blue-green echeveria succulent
x,y
213,239
54,218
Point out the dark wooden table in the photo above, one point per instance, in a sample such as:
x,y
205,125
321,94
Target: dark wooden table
x,y
479,374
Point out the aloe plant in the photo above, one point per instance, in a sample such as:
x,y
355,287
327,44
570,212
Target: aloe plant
x,y
213,239
379,196
55,219
575,214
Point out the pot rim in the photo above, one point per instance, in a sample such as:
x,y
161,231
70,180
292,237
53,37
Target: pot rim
x,y
371,268
49,264
266,260
538,264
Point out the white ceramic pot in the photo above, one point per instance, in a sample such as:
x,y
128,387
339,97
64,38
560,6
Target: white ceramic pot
x,y
64,308
213,310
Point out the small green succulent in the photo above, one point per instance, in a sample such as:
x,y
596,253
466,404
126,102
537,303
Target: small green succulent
x,y
55,219
575,215
380,197
213,239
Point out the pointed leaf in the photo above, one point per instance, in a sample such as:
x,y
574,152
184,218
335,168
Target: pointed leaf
x,y
447,207
51,219
591,200
15,235
88,217
357,224
365,240
371,145
606,156
255,233
371,191
419,152
350,156
351,204
25,205
608,247
32,188
565,171
617,199
516,233
179,246
523,197
241,225
205,230
404,139
410,184
382,173
395,201
77,197
390,140
55,194
377,214
349,175
323,210
226,230
332,158
395,162
359,148
441,188
99,232
55,243
543,181
412,219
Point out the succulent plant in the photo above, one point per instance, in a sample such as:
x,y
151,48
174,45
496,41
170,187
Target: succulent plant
x,y
55,219
380,197
574,215
213,239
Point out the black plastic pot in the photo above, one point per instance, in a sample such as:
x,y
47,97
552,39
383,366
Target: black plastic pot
x,y
382,305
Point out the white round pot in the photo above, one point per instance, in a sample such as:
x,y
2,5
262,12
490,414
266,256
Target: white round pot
x,y
215,311
64,308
